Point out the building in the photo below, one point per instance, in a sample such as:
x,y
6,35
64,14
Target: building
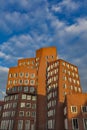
x,y
37,93
62,79
75,112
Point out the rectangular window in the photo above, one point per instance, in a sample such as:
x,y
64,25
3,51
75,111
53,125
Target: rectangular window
x,y
33,114
73,109
28,105
85,123
84,108
32,75
23,96
28,113
32,82
21,113
28,97
34,98
75,124
27,124
14,104
22,104
66,124
20,124
25,89
33,106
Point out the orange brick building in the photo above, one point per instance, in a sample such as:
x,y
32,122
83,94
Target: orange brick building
x,y
37,93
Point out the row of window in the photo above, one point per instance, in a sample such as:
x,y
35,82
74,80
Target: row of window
x,y
76,89
8,114
28,105
52,86
51,124
71,80
52,94
74,109
69,66
8,124
24,96
29,89
75,123
22,74
51,112
52,79
10,105
51,104
9,98
27,63
29,97
21,114
27,114
21,81
73,74
55,64
53,72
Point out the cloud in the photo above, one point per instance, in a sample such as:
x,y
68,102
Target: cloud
x,y
32,25
67,5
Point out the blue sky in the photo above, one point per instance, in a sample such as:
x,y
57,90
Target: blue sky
x,y
29,25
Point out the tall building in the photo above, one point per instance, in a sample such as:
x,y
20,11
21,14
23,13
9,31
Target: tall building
x,y
39,92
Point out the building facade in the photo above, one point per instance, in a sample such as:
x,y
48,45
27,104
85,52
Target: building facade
x,y
37,93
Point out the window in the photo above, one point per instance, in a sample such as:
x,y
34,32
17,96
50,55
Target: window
x,y
20,89
66,124
85,123
34,98
32,75
63,63
23,96
15,82
21,74
65,111
78,82
10,82
28,97
14,104
50,124
20,81
20,124
33,114
32,89
64,85
28,113
27,75
13,113
28,105
21,113
32,82
15,75
79,89
71,87
25,89
16,97
73,109
26,81
75,124
27,124
10,75
33,106
84,108
64,78
22,104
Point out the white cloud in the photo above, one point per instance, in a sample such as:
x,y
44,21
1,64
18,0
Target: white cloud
x,y
67,5
3,69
